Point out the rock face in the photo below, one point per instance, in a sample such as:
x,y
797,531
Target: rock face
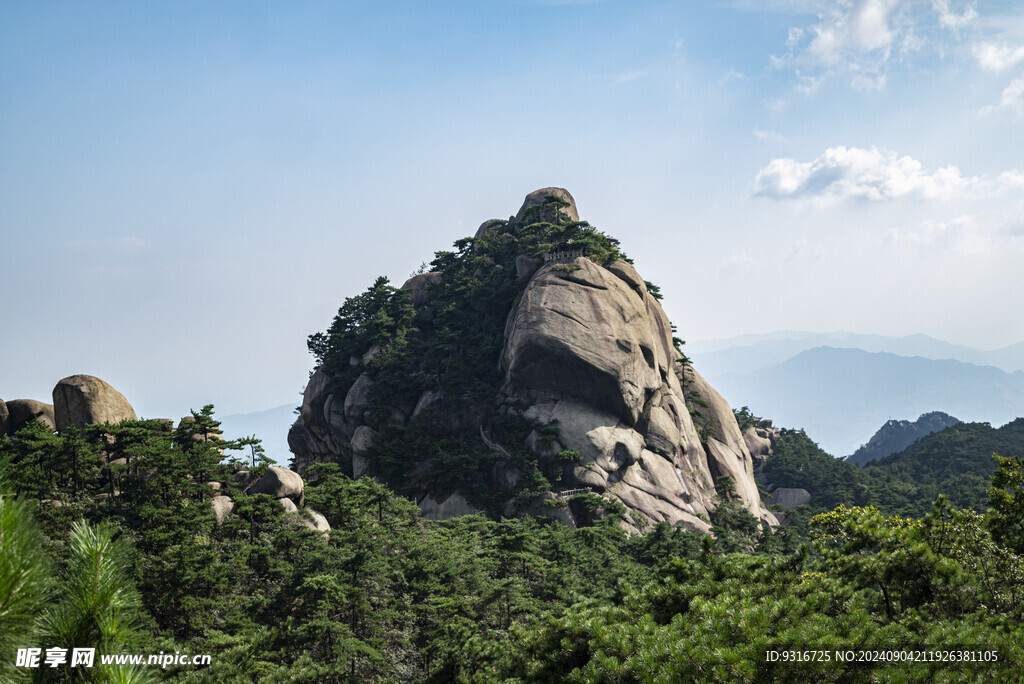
x,y
81,400
588,356
590,352
4,413
22,411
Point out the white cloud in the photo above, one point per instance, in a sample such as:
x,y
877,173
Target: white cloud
x,y
874,175
951,19
859,37
1012,99
992,57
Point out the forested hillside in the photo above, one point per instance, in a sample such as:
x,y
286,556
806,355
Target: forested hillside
x,y
956,462
129,557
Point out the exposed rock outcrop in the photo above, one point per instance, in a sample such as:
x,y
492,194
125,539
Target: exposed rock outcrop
x,y
790,497
418,284
4,413
222,507
452,507
284,485
21,411
589,356
536,199
81,400
279,483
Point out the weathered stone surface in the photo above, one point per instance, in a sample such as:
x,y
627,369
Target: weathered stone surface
x,y
418,286
21,411
212,485
222,507
363,440
726,449
583,334
288,504
547,449
791,498
358,398
536,197
525,266
452,507
488,226
758,444
4,413
279,483
315,521
625,271
81,400
589,351
360,466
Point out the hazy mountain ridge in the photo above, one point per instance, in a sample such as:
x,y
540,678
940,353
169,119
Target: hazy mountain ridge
x,y
841,396
897,435
747,353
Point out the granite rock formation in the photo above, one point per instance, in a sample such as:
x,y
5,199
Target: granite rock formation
x,y
21,411
81,400
589,357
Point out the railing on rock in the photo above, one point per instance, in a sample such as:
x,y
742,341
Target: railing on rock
x,y
492,445
562,256
573,492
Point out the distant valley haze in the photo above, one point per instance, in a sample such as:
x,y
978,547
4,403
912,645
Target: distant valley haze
x,y
841,387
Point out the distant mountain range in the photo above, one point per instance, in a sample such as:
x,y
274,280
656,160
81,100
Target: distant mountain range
x,y
748,353
271,426
840,396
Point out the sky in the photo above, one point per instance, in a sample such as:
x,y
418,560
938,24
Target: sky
x,y
189,189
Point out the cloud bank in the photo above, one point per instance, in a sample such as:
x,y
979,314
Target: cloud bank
x,y
872,175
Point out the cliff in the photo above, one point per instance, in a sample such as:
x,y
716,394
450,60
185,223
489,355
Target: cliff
x,y
532,363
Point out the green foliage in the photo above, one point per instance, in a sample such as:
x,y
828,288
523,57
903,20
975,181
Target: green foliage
x,y
1006,497
955,462
391,597
653,290
25,577
744,418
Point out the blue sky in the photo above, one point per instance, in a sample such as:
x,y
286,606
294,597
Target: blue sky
x,y
189,189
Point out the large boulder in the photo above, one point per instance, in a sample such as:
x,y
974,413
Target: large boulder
x,y
315,521
418,286
4,413
537,197
222,507
81,400
279,483
791,497
21,411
